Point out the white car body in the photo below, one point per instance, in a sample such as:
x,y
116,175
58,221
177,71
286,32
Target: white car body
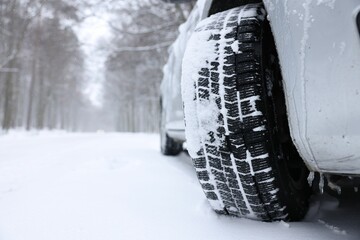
x,y
170,86
319,49
318,43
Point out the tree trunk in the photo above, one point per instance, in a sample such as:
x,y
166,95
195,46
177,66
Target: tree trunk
x,y
8,103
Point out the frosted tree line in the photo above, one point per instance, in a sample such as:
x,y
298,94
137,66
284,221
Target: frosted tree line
x,y
42,75
40,65
143,30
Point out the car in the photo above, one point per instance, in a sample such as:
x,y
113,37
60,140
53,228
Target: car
x,y
270,92
172,128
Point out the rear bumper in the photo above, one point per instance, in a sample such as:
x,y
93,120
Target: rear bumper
x,y
319,51
177,135
176,130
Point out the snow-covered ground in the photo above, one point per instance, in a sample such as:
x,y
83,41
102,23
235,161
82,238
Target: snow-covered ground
x,y
118,186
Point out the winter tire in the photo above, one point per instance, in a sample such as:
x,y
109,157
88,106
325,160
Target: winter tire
x,y
169,146
236,123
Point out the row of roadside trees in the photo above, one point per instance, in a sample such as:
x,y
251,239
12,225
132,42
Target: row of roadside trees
x,y
139,49
42,63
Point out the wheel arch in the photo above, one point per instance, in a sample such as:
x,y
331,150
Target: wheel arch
x,y
178,1
279,18
290,49
223,5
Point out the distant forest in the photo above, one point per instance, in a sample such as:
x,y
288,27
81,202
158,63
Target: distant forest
x,y
42,64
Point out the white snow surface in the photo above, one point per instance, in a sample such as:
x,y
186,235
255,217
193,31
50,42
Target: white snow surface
x,y
104,186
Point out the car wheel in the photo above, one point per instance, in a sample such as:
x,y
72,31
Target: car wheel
x,y
169,146
236,123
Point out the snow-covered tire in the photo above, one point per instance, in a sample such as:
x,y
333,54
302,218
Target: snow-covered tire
x,y
169,147
236,123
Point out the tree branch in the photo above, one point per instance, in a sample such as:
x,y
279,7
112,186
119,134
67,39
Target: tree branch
x,y
9,58
144,48
158,28
7,70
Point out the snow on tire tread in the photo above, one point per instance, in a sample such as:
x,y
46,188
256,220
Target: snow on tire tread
x,y
226,129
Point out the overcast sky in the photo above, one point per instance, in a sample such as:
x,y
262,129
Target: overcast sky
x,y
93,30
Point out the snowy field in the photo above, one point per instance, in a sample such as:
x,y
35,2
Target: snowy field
x,y
59,186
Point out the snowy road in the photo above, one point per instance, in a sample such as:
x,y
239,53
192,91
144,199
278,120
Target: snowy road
x,y
58,186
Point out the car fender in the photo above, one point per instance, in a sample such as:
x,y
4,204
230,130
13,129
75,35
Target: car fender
x,y
319,50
